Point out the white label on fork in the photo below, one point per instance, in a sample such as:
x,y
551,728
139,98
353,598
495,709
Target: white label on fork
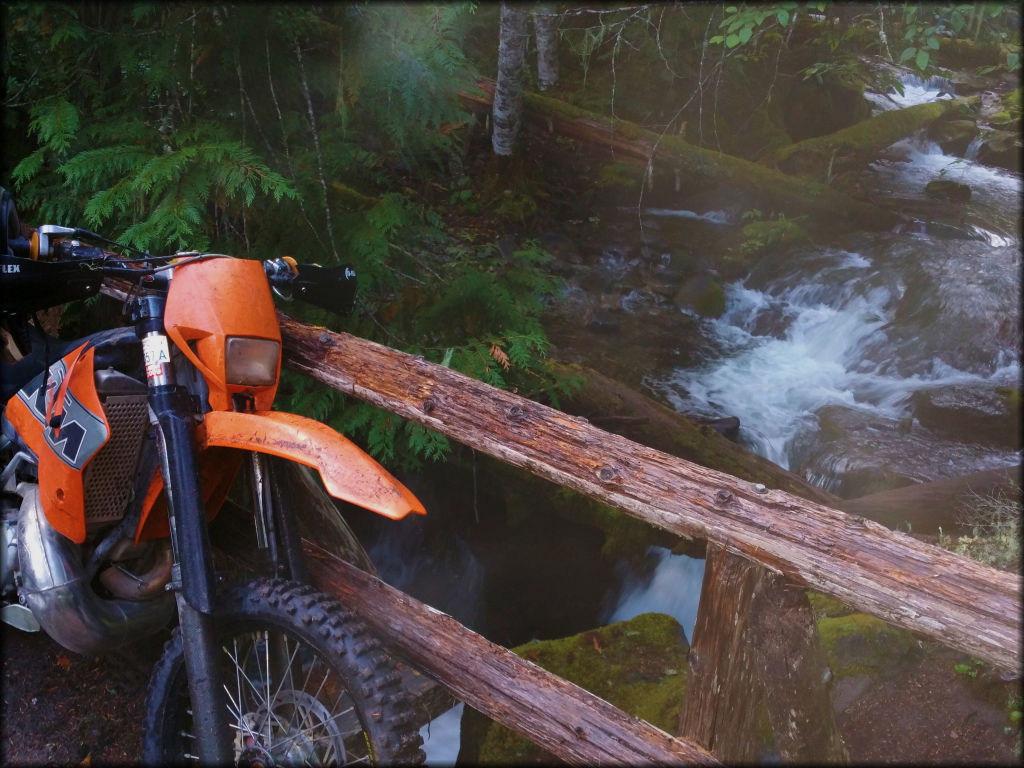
x,y
156,353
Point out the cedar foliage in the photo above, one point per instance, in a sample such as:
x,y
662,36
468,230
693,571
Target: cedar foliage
x,y
262,130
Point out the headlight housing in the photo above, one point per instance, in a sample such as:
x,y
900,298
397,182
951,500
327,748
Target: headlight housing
x,y
251,362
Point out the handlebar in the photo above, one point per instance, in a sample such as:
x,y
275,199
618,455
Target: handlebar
x,y
330,288
75,271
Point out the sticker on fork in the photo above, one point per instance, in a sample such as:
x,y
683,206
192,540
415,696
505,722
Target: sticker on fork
x,y
156,354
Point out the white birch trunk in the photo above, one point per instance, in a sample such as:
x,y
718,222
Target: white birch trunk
x,y
545,22
508,92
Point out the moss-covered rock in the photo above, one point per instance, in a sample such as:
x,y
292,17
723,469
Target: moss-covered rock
x,y
859,644
826,606
760,237
702,294
947,189
954,136
638,665
1001,148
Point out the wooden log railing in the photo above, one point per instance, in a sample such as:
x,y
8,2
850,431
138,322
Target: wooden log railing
x,y
923,588
563,718
961,603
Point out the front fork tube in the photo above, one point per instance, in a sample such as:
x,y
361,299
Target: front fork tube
x,y
193,572
192,575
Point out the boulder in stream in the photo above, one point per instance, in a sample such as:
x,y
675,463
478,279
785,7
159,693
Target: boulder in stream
x,y
856,452
946,189
979,413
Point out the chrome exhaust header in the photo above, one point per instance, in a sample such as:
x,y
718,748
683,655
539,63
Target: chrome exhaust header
x,y
62,600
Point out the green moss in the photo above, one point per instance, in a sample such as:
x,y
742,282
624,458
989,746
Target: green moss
x,y
859,644
638,665
759,237
947,189
813,157
515,208
711,301
345,196
1011,396
826,606
619,177
828,427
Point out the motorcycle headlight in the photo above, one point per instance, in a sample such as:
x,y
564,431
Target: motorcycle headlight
x,y
252,362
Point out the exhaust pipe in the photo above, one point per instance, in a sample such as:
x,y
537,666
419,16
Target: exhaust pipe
x,y
63,602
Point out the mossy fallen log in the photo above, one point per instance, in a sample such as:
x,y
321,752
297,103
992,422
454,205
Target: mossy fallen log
x,y
823,157
696,168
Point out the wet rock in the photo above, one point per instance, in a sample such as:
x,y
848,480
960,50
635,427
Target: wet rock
x,y
945,189
858,452
602,321
702,294
954,136
924,508
1001,149
954,308
859,644
976,413
561,246
728,427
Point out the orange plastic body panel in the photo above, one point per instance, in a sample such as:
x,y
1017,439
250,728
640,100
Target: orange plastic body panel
x,y
210,300
217,470
65,451
348,473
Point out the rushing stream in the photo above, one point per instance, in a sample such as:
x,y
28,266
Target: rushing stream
x,y
837,356
849,333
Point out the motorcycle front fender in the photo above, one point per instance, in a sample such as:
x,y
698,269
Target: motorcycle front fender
x,y
347,471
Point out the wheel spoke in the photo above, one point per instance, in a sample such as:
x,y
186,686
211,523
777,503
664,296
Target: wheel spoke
x,y
312,713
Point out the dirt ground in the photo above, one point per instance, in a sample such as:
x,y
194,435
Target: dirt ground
x,y
63,709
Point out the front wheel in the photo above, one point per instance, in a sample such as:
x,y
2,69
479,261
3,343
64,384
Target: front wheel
x,y
306,685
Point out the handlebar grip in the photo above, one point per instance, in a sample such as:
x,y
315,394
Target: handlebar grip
x,y
330,288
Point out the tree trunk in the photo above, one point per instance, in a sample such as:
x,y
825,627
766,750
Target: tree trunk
x,y
755,655
560,717
507,111
545,22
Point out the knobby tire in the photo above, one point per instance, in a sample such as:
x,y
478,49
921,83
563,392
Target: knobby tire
x,y
332,696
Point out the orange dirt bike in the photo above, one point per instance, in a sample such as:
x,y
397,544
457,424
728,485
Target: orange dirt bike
x,y
119,448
